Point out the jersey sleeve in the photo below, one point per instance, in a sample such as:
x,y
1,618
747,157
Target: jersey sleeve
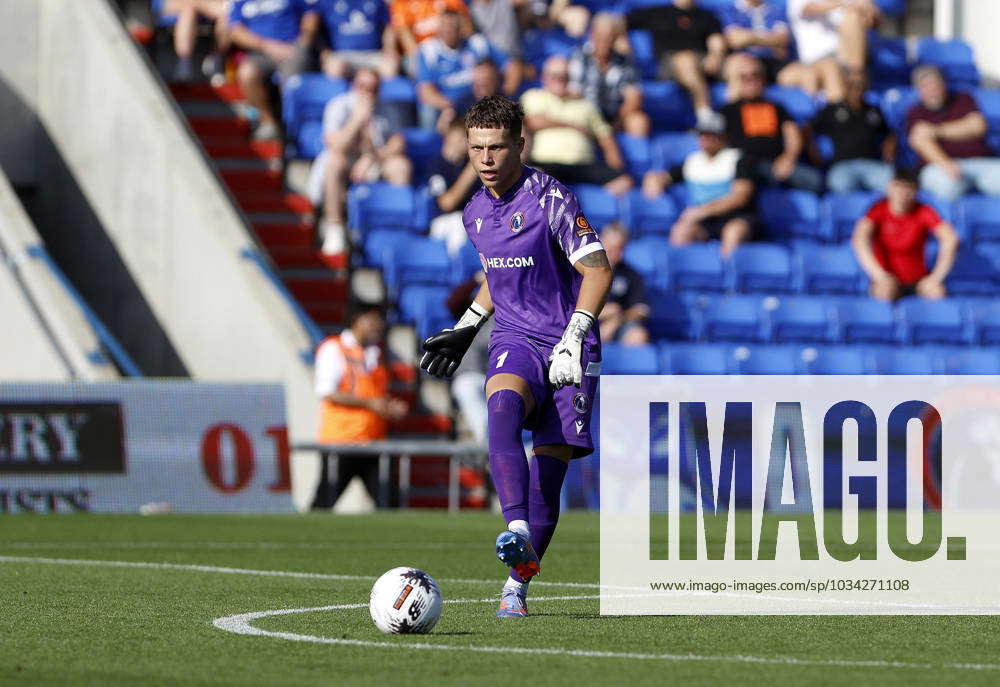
x,y
571,230
930,219
329,370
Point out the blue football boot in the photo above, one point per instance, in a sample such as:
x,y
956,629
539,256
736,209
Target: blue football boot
x,y
514,551
513,604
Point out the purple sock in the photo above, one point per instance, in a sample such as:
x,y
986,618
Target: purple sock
x,y
508,466
547,475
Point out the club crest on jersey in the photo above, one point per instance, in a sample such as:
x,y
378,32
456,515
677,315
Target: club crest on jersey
x,y
580,403
517,222
583,226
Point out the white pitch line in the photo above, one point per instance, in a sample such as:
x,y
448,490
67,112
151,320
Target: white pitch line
x,y
241,624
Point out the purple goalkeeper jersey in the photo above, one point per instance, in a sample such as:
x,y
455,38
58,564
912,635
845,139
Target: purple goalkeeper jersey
x,y
528,240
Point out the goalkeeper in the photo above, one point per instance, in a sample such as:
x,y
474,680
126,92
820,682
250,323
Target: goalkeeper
x,y
547,278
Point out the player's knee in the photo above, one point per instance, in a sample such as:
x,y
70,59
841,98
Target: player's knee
x,y
505,402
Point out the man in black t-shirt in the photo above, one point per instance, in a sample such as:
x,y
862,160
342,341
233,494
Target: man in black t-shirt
x,y
863,146
452,182
689,44
769,138
623,317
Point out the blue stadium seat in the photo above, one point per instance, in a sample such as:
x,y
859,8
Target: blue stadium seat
x,y
424,306
695,359
629,360
907,361
696,267
672,148
668,106
829,269
733,318
466,263
417,261
923,321
304,97
974,273
840,360
309,142
791,213
953,57
398,89
422,147
896,102
843,210
761,267
637,153
383,206
767,360
888,62
986,323
650,217
643,53
379,244
802,318
865,320
671,317
649,257
600,207
988,100
892,8
978,218
800,105
541,44
974,362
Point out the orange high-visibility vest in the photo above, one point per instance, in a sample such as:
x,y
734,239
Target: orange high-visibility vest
x,y
349,424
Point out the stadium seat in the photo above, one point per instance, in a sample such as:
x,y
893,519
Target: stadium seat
x,y
695,359
541,44
643,52
733,318
790,213
637,153
978,218
988,100
767,360
802,318
974,273
865,320
668,106
896,102
600,207
829,269
424,306
974,362
422,147
892,8
378,244
906,361
649,257
761,267
466,263
670,149
399,100
696,267
629,360
384,206
888,62
417,261
304,97
309,141
671,317
843,210
954,58
650,217
839,360
986,323
923,321
800,105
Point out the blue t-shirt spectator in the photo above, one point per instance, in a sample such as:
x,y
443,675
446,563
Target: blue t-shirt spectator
x,y
278,20
763,18
355,25
450,70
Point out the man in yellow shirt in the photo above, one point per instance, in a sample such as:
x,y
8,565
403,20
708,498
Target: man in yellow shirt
x,y
564,128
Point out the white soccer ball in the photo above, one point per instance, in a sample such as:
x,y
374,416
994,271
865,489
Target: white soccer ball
x,y
405,601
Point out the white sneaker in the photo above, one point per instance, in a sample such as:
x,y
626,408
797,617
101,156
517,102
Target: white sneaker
x,y
334,239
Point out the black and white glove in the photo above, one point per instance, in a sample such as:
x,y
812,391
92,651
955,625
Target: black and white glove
x,y
443,352
565,367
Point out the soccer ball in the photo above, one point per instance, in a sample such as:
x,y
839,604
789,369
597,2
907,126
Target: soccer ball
x,y
405,601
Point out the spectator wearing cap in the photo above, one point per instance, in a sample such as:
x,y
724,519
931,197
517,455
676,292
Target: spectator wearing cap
x,y
760,28
624,315
720,184
948,132
889,242
608,78
769,138
688,42
358,35
863,146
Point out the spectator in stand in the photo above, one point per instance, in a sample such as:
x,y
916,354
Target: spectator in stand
x,y
890,239
485,82
417,20
564,129
607,78
830,35
546,14
470,378
497,19
361,146
689,43
278,37
359,35
624,315
445,65
948,132
757,27
452,183
352,382
186,35
769,138
720,184
863,146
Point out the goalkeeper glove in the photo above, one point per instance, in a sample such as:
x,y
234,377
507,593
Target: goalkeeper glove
x,y
565,367
443,352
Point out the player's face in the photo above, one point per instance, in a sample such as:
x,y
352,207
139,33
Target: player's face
x,y
496,157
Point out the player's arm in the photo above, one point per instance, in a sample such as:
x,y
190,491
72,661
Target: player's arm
x,y
444,351
565,366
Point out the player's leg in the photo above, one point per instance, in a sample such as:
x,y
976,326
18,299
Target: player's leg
x,y
508,401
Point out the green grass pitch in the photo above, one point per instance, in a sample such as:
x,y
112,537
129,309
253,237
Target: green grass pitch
x,y
69,624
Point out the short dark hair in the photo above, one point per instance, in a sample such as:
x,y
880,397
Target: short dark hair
x,y
907,175
356,309
496,112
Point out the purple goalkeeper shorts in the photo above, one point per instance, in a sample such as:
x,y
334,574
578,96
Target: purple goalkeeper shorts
x,y
561,416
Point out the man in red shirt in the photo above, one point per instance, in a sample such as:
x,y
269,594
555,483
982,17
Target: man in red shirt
x,y
890,239
948,131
